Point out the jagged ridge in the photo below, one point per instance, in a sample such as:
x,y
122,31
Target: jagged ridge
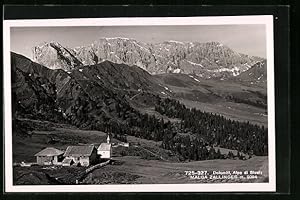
x,y
206,60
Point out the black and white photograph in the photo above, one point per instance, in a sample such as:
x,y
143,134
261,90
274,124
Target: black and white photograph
x,y
140,104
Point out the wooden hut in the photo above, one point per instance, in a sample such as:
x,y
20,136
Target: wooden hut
x,y
83,155
49,156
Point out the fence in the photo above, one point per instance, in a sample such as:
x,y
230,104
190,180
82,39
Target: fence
x,y
96,166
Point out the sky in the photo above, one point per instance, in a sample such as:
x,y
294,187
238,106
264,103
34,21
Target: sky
x,y
247,39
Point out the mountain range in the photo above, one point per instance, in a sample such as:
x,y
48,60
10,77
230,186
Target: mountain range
x,y
207,60
108,90
180,94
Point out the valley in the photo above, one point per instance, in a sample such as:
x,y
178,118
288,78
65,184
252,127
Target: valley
x,y
216,96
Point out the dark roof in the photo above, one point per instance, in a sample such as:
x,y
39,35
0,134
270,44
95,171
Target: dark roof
x,y
49,151
79,150
104,147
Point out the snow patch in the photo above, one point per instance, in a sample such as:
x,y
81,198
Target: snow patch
x,y
168,89
141,47
98,77
192,44
114,38
80,70
261,114
194,78
192,63
174,41
260,77
177,71
169,62
163,93
260,64
208,60
235,71
247,66
117,57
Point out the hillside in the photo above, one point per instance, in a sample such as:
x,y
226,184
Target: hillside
x,y
34,88
114,81
256,75
80,96
135,167
230,98
128,100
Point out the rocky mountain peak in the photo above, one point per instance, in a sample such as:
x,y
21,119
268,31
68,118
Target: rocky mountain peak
x,y
55,56
207,60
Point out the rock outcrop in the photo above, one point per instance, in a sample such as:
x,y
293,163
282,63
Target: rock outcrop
x,y
207,60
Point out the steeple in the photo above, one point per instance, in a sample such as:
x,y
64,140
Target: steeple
x,y
108,139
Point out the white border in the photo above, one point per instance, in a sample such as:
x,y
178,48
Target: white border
x,y
220,20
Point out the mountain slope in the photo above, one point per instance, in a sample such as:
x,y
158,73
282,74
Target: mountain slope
x,y
121,99
99,92
207,60
33,94
215,92
256,75
118,77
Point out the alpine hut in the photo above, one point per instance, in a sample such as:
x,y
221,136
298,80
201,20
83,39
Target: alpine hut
x,y
49,156
80,155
